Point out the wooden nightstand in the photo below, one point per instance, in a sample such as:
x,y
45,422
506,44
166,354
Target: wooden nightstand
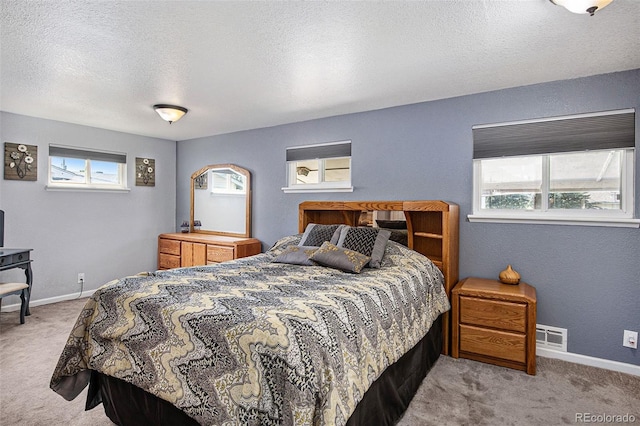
x,y
495,323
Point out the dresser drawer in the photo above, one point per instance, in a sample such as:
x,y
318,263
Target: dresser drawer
x,y
169,247
168,261
193,254
219,253
494,343
493,313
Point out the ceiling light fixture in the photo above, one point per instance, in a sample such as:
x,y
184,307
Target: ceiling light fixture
x,y
303,171
170,113
582,6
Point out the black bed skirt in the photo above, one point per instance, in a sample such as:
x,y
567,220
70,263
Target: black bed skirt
x,y
383,404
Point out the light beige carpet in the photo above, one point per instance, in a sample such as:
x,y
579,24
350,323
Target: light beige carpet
x,y
456,392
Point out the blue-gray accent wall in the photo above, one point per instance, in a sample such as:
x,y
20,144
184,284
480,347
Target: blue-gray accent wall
x,y
587,278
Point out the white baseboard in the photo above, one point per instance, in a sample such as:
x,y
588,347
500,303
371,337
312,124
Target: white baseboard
x,y
591,361
39,302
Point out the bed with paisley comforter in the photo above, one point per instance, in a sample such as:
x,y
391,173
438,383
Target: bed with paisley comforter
x,y
253,341
256,341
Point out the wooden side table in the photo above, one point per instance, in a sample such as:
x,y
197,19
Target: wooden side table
x,y
495,323
19,258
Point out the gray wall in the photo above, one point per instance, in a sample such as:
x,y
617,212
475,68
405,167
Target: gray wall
x,y
105,235
587,278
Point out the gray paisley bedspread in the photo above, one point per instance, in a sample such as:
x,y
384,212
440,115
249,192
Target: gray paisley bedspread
x,y
251,341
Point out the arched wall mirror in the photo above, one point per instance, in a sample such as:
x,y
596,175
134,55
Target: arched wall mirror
x,y
221,200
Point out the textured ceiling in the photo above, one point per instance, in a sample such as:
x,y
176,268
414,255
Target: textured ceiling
x,y
245,65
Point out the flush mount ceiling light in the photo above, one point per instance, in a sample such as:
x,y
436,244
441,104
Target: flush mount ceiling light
x,y
302,171
170,113
582,6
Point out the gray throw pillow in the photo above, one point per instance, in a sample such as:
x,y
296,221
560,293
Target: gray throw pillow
x,y
297,255
340,258
368,241
316,234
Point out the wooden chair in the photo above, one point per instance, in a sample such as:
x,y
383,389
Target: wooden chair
x,y
7,289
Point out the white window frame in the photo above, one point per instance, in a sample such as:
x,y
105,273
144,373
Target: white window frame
x,y
548,136
615,218
84,153
322,186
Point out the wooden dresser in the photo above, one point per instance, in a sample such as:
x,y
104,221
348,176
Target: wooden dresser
x,y
495,323
193,249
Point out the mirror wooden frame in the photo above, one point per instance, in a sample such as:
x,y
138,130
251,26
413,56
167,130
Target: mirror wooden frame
x,y
247,174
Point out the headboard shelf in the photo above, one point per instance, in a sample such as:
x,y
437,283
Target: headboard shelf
x,y
427,235
432,229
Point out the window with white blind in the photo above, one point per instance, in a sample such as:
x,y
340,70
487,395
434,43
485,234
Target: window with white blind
x,y
80,168
319,168
567,170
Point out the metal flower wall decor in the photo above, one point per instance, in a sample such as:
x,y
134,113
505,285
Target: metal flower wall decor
x,y
20,161
145,172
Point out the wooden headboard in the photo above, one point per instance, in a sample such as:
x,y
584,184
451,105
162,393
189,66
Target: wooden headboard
x,y
432,228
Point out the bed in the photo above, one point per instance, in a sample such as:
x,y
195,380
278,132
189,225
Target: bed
x,y
257,341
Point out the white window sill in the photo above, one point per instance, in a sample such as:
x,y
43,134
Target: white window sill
x,y
291,190
549,220
84,189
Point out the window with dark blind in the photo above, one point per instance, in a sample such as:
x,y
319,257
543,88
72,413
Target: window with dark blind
x,y
574,169
319,168
80,168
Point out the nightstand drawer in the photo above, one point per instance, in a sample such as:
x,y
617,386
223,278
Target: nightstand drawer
x,y
169,247
493,313
219,253
494,343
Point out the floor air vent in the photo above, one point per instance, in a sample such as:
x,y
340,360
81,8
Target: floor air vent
x,y
551,337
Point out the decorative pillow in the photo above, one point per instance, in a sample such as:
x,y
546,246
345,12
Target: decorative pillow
x,y
297,255
316,234
368,241
340,258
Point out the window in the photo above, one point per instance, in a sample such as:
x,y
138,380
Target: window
x,y
568,170
227,181
78,168
319,168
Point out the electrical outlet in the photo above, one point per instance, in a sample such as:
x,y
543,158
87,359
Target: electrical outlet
x,y
630,339
81,278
